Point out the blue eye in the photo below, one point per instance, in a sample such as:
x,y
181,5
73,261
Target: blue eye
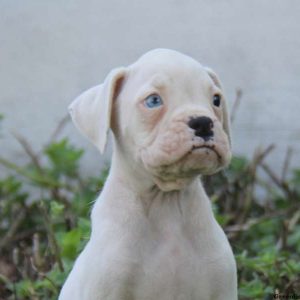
x,y
153,101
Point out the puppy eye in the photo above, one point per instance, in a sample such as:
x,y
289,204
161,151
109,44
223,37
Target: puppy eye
x,y
153,101
217,100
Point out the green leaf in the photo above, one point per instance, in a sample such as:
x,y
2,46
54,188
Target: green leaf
x,y
56,208
63,158
70,243
253,289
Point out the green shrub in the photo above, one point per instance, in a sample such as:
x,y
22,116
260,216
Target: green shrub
x,y
45,206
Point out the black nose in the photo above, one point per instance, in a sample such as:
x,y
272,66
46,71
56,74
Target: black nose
x,y
203,127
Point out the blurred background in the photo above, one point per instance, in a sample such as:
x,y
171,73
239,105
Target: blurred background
x,y
50,51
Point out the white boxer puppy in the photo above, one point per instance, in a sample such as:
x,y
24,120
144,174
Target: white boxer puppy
x,y
154,235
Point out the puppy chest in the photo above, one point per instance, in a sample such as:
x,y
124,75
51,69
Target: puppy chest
x,y
175,271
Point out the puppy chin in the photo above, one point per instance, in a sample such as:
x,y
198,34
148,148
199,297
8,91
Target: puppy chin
x,y
201,161
176,176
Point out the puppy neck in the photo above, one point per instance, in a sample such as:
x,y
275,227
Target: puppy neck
x,y
126,172
139,193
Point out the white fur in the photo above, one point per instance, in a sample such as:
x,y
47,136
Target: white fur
x,y
154,235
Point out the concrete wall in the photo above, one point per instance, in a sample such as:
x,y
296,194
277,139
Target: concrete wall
x,y
50,51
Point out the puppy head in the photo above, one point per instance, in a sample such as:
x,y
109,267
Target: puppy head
x,y
168,114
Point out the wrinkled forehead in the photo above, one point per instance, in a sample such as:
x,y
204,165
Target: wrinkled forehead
x,y
161,68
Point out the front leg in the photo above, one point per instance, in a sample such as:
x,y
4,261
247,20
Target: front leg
x,y
97,275
225,279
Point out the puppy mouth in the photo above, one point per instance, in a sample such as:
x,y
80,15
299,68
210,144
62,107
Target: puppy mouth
x,y
207,148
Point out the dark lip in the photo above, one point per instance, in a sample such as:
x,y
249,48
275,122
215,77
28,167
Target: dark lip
x,y
204,146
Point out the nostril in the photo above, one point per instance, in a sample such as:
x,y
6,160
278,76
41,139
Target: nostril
x,y
203,127
201,123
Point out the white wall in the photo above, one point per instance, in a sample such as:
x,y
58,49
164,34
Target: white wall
x,y
50,51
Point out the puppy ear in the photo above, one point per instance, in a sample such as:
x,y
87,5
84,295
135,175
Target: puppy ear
x,y
91,111
226,117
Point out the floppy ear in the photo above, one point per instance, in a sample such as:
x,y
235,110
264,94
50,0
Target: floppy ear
x,y
226,118
91,111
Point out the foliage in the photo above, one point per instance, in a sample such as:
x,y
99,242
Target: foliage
x,y
44,213
264,230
